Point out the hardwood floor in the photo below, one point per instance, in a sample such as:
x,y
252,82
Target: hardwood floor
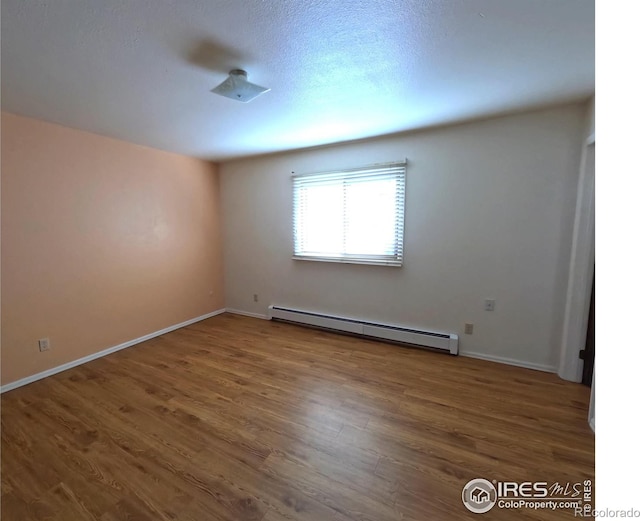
x,y
235,418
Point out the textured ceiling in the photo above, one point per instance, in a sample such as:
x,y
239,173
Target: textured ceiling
x,y
338,70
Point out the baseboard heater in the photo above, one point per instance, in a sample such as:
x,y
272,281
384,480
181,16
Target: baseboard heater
x,y
404,335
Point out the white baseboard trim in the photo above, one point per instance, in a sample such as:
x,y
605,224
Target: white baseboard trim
x,y
511,361
108,351
246,313
104,352
481,356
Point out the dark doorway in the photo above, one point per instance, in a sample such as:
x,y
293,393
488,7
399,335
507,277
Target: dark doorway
x,y
589,352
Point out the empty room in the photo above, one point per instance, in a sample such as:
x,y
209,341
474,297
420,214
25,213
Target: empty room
x,y
298,260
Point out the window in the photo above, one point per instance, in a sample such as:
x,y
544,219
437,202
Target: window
x,y
354,216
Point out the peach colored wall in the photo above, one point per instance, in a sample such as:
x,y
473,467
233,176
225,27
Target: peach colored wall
x,y
102,242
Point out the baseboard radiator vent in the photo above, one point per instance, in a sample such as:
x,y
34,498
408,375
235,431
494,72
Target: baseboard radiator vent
x,y
403,335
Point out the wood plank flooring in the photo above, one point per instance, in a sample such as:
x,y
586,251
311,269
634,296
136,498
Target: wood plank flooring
x,y
237,419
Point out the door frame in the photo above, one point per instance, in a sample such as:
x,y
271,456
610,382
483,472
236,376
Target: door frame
x,y
581,269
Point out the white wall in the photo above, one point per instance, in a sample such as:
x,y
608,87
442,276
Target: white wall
x,y
489,213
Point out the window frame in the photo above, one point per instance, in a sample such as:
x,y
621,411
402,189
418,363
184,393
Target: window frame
x,y
392,170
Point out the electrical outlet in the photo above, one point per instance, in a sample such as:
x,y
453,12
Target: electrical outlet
x,y
255,297
468,328
43,344
489,304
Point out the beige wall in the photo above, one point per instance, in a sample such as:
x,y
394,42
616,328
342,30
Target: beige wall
x,y
102,242
489,213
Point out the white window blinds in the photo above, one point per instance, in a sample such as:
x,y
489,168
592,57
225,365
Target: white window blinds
x,y
352,216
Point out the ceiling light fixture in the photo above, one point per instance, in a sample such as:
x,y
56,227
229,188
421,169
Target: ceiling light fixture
x,y
237,87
